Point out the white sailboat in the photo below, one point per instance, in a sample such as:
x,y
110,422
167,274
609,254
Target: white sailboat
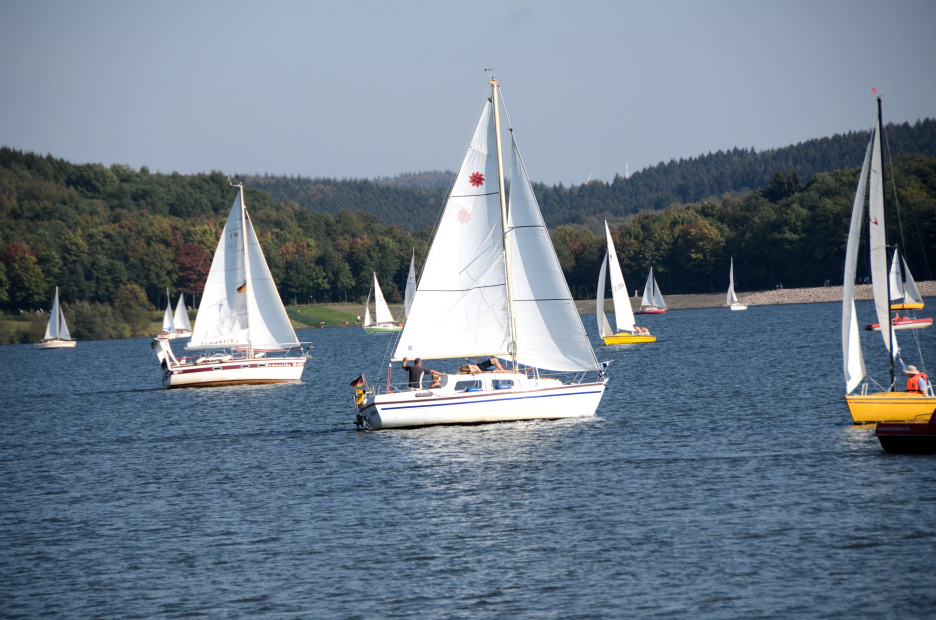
x,y
384,322
57,335
887,404
652,302
240,320
627,330
491,286
180,321
732,300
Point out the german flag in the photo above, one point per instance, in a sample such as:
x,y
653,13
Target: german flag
x,y
358,381
242,288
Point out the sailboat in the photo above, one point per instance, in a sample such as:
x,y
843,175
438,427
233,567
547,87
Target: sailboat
x,y
56,333
886,404
384,323
627,330
240,320
732,300
180,321
652,302
167,331
491,287
909,296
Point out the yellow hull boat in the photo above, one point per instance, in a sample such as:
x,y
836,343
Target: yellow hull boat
x,y
889,406
626,338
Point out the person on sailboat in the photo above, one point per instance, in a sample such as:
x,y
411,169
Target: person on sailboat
x,y
416,372
917,381
641,330
490,363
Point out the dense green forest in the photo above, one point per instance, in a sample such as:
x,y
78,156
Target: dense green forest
x,y
114,239
412,201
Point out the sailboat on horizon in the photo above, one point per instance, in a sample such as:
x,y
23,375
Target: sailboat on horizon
x,y
491,286
652,302
56,335
732,299
384,322
241,319
886,404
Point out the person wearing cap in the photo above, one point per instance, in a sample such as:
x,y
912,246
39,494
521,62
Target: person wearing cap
x,y
916,382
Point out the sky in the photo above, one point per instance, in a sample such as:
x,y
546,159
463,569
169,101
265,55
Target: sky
x,y
365,89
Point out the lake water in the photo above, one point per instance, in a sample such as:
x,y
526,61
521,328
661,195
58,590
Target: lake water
x,y
721,479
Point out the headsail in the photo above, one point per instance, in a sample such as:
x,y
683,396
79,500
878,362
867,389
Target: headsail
x,y
410,286
380,304
604,328
180,320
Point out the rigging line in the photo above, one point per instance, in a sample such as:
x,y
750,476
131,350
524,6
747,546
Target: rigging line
x,y
473,195
460,290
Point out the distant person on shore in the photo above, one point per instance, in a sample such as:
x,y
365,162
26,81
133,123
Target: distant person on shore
x,y
416,372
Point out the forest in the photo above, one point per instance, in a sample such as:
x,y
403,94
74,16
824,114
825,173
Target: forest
x,y
115,240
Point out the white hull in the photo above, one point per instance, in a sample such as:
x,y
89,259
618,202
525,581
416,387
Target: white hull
x,y
738,306
382,328
214,372
57,344
529,399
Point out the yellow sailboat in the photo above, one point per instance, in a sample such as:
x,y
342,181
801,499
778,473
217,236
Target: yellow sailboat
x,y
627,330
887,404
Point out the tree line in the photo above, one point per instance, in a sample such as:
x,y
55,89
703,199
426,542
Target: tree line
x,y
114,239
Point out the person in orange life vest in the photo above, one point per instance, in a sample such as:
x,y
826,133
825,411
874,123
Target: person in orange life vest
x,y
916,382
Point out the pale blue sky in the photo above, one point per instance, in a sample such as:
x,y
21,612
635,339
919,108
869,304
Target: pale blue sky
x,y
361,89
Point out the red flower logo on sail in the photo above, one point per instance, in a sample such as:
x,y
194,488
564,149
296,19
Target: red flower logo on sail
x,y
476,179
463,216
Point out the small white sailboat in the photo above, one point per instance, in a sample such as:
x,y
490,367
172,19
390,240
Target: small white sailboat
x,y
903,287
384,322
491,287
627,330
241,319
732,301
886,404
57,335
180,321
652,302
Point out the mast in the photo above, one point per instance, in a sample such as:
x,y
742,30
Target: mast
x,y
246,241
512,345
889,327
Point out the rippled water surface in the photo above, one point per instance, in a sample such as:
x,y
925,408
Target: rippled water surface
x,y
721,478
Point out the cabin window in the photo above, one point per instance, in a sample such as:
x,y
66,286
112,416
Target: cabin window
x,y
461,386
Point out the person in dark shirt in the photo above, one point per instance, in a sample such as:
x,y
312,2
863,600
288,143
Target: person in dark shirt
x,y
416,372
489,364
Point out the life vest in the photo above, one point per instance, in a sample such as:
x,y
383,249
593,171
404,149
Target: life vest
x,y
913,383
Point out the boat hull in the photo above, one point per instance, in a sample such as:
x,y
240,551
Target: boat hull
x,y
650,311
738,306
540,400
235,371
57,344
382,329
889,406
907,437
903,324
918,306
626,338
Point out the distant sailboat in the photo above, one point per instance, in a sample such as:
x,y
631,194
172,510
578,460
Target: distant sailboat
x,y
56,333
910,296
652,302
241,319
180,321
732,301
384,322
627,331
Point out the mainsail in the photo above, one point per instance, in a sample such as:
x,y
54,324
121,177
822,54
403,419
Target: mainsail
x,y
623,313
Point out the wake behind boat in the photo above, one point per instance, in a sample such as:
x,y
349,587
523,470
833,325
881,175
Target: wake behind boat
x,y
491,286
240,320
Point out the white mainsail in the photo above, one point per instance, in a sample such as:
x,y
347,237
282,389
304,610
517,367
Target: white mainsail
x,y
380,304
57,329
604,327
460,305
240,306
851,339
167,315
410,286
623,313
180,320
878,243
732,298
367,315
